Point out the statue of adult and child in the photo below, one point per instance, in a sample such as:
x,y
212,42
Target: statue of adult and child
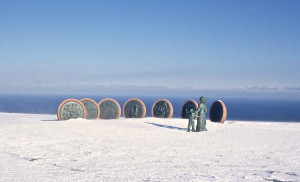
x,y
200,115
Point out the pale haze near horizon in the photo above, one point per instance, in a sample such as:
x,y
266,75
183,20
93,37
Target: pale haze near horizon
x,y
214,48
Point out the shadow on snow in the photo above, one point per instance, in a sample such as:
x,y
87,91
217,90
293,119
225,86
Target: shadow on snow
x,y
50,120
167,126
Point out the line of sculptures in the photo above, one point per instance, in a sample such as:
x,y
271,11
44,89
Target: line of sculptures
x,y
134,108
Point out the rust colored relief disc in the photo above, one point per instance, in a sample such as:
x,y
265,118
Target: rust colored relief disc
x,y
71,109
186,107
162,108
109,109
218,112
92,108
134,108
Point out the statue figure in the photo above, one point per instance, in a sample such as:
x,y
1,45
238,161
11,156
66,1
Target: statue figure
x,y
191,121
202,109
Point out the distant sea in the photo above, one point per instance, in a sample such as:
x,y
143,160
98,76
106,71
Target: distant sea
x,y
239,109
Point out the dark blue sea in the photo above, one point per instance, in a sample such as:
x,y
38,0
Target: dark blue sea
x,y
240,109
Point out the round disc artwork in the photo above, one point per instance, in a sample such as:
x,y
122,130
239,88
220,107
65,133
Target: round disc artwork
x,y
71,109
218,112
92,108
134,108
109,109
162,108
186,107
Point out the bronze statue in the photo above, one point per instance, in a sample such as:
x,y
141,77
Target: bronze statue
x,y
202,109
191,121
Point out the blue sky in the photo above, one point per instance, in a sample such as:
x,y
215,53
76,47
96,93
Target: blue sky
x,y
143,47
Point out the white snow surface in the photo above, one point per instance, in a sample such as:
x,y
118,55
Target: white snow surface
x,y
40,148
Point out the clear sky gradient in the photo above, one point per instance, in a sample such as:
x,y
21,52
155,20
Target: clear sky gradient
x,y
143,47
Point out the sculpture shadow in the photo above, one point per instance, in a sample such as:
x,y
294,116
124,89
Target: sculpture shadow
x,y
50,120
167,126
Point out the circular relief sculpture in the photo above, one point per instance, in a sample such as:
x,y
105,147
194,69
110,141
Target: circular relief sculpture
x,y
109,109
162,108
71,109
186,107
92,108
218,112
134,108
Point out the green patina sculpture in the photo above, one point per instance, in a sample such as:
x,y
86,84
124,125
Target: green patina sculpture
x,y
201,120
191,120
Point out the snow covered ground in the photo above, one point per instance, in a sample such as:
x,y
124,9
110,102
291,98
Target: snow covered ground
x,y
40,148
